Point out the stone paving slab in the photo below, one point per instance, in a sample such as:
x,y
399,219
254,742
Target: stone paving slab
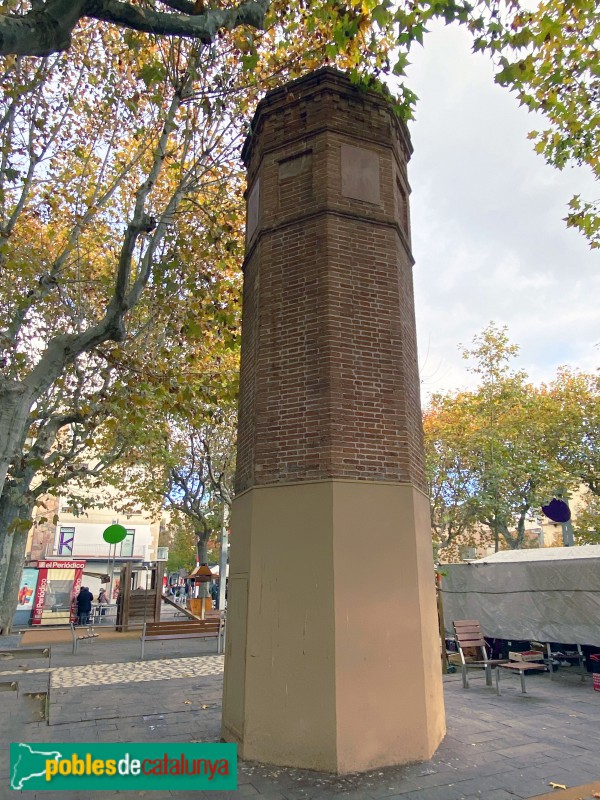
x,y
496,748
586,792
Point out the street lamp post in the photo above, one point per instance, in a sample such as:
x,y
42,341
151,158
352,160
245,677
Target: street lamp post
x,y
147,565
223,556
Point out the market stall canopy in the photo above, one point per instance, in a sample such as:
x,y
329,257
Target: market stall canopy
x,y
541,554
547,595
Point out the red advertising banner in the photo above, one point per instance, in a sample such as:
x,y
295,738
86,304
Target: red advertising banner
x,y
57,588
40,597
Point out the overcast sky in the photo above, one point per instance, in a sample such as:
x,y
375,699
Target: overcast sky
x,y
488,235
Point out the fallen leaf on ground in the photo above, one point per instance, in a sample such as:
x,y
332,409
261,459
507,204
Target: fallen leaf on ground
x,y
187,702
557,785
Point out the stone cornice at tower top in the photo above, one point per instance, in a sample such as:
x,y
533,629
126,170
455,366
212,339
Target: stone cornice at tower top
x,y
325,79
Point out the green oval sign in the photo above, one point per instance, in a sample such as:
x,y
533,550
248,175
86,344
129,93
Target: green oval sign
x,y
114,534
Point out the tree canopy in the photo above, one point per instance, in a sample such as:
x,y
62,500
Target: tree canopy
x,y
547,54
496,454
120,236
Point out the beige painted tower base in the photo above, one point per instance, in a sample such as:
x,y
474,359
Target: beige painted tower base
x,y
332,658
325,671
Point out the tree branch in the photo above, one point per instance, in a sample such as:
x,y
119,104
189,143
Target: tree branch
x,y
203,27
48,29
185,6
41,31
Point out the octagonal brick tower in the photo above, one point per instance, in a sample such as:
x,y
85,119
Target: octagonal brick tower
x,y
332,659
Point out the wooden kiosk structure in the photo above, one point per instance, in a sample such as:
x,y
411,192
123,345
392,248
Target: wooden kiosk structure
x,y
140,605
200,577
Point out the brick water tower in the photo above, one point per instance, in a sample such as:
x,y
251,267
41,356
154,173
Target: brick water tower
x,y
333,656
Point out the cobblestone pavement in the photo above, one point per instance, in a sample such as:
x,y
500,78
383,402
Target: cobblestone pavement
x,y
496,748
65,677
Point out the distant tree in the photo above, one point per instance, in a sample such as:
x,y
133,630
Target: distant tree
x,y
489,464
512,474
202,464
587,521
573,438
181,542
191,471
57,462
446,425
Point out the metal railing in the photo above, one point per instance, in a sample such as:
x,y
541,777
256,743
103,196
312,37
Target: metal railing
x,y
100,550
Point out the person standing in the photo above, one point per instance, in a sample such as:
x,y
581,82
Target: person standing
x,y
84,605
102,602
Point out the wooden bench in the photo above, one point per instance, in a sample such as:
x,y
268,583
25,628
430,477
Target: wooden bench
x,y
469,638
521,667
83,636
19,655
212,627
25,652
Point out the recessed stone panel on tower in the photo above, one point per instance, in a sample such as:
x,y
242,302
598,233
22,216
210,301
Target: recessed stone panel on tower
x,y
332,658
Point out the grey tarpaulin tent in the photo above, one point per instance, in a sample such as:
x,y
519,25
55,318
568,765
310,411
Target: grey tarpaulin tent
x,y
548,594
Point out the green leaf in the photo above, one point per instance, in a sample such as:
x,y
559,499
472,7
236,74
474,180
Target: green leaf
x,y
249,61
152,74
381,15
11,175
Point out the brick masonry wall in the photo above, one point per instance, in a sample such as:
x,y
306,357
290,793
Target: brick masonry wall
x,y
43,534
329,377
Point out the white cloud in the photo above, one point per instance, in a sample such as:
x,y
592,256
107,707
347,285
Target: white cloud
x,y
488,232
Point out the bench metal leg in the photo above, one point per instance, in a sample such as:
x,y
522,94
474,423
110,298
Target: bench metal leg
x,y
522,674
143,641
581,662
549,661
464,677
488,675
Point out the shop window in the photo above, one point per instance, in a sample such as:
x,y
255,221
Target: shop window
x,y
66,537
127,543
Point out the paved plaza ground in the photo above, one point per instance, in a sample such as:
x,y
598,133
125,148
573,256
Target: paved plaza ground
x,y
497,748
